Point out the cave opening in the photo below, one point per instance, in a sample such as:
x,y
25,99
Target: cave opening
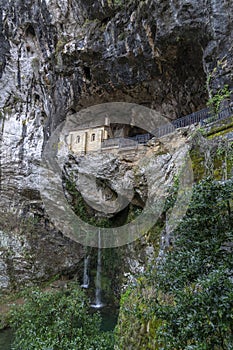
x,y
30,30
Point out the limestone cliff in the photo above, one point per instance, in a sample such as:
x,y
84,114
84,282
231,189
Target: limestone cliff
x,y
59,56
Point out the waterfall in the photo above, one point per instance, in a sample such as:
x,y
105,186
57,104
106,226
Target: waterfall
x,y
85,272
98,303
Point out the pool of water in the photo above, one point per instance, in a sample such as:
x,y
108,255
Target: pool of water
x,y
6,339
109,318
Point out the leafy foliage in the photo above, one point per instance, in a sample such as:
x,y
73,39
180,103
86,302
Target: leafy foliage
x,y
194,282
185,301
215,101
58,320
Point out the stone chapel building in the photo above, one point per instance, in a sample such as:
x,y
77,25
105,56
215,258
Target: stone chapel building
x,y
89,139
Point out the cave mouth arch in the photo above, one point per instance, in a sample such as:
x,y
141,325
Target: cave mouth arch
x,y
170,78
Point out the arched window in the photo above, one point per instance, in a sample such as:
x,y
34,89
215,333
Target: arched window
x,y
78,139
92,137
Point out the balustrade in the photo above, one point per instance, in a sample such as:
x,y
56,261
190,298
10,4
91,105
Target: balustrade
x,y
194,118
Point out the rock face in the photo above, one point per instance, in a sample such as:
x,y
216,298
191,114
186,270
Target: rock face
x,y
59,56
35,257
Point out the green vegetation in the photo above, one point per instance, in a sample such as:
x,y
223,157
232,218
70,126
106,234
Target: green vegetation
x,y
185,301
134,211
215,157
82,209
118,2
219,129
195,283
87,214
215,101
198,164
58,320
182,302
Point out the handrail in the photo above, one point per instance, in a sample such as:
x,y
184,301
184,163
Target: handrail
x,y
190,119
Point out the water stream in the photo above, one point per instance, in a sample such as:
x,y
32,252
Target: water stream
x,y
86,279
98,302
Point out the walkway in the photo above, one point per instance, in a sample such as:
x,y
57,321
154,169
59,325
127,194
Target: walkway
x,y
203,116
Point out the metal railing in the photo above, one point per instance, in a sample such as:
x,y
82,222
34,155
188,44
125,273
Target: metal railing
x,y
203,116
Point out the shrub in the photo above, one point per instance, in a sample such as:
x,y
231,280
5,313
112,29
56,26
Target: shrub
x,y
58,320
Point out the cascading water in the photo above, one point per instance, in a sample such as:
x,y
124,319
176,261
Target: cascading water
x,y
85,272
98,303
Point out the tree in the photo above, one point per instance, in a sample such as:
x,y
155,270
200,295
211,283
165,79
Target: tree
x,y
184,301
195,280
58,320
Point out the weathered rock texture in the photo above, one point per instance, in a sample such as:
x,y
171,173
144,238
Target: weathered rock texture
x,y
59,56
30,255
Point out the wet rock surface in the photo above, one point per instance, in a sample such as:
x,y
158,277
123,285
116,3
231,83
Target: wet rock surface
x,y
57,57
